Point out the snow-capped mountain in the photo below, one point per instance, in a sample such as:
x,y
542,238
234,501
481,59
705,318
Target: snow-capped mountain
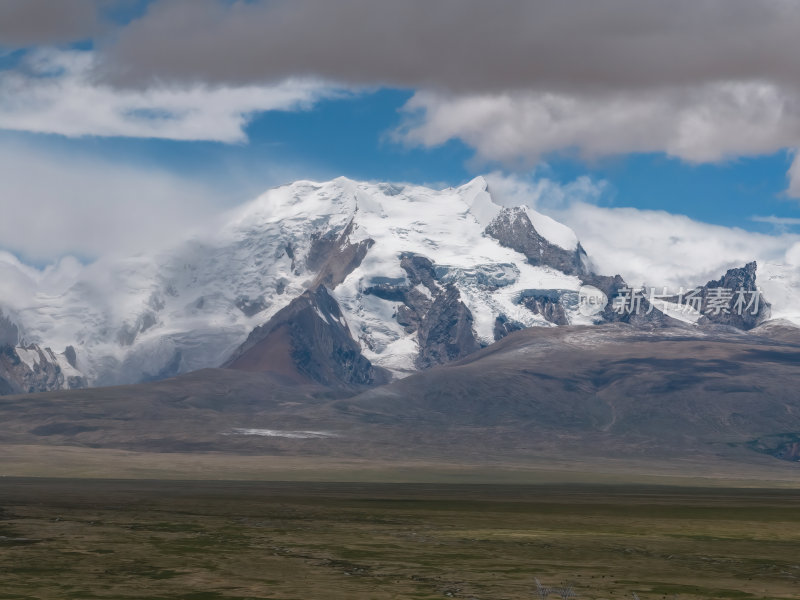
x,y
418,277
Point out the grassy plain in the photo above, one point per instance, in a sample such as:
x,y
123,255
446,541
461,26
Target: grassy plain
x,y
117,539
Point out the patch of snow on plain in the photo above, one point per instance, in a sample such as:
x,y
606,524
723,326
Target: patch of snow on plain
x,y
296,435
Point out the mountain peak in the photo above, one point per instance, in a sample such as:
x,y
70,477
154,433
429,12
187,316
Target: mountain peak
x,y
479,183
419,276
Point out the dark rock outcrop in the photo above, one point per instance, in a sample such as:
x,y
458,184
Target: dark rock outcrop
x,y
71,356
503,326
333,256
442,321
445,331
736,286
251,307
548,304
741,282
308,341
414,303
645,316
513,229
43,375
128,333
420,270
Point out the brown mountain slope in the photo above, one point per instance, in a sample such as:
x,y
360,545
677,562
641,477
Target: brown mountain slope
x,y
612,390
308,341
571,393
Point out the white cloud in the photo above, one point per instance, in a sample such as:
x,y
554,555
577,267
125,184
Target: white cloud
x,y
657,248
55,91
55,204
542,193
793,255
777,221
649,247
779,224
706,123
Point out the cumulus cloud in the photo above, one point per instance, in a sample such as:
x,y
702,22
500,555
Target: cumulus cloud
x,y
657,248
793,255
55,91
646,247
709,123
53,205
541,193
780,224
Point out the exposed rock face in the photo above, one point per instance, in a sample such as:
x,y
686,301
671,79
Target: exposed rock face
x,y
445,332
503,326
128,333
334,257
308,341
71,356
28,369
547,303
609,285
513,229
416,302
433,309
415,298
250,306
647,316
734,280
743,278
420,270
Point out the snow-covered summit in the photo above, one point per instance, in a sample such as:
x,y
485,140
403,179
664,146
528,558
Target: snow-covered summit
x,y
190,306
421,276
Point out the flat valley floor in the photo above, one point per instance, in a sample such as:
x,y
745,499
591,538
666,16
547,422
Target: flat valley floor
x,y
117,539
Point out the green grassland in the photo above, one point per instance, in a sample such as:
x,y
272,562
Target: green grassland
x,y
117,539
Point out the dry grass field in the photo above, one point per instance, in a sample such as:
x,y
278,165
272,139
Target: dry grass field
x,y
116,539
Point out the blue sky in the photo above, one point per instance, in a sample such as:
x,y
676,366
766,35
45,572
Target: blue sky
x,y
134,115
352,136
